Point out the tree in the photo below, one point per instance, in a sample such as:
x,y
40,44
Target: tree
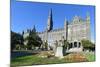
x,y
33,39
16,39
46,45
65,46
88,45
17,47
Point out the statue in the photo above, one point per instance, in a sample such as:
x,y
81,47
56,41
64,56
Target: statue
x,y
59,49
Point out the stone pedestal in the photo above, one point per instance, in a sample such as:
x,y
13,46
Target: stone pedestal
x,y
59,52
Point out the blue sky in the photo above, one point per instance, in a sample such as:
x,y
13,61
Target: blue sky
x,y
24,15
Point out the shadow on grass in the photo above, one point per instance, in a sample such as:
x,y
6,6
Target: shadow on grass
x,y
16,54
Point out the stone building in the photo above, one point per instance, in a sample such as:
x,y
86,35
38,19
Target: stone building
x,y
73,31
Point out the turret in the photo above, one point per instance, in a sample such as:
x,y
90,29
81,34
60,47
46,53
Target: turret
x,y
34,29
66,28
88,33
65,24
88,18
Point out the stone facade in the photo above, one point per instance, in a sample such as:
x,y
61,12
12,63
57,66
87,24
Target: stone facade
x,y
73,31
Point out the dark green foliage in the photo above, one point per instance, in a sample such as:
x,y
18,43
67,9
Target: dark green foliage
x,y
16,39
88,45
33,39
46,45
66,44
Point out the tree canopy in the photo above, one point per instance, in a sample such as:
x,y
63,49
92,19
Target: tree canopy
x,y
87,44
16,39
33,39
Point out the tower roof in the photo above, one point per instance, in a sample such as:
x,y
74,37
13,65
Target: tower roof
x,y
50,13
88,17
34,29
50,21
66,21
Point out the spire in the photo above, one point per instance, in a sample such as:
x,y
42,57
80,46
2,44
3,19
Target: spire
x,y
88,17
65,28
50,13
65,22
34,29
23,32
50,21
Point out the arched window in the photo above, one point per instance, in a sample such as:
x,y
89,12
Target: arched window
x,y
75,44
79,44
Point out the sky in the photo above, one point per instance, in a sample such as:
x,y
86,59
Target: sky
x,y
24,15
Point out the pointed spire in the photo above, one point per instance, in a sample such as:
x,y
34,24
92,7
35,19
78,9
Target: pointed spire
x,y
50,13
66,21
34,29
65,24
88,17
50,21
23,32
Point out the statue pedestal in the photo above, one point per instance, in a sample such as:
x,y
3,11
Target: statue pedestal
x,y
59,52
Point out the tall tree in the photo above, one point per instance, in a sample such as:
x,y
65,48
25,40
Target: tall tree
x,y
16,39
33,39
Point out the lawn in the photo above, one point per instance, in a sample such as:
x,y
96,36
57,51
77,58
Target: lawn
x,y
36,60
90,56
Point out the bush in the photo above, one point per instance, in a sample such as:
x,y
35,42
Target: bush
x,y
88,45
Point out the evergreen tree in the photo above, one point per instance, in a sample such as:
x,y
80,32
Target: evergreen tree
x,y
16,39
33,39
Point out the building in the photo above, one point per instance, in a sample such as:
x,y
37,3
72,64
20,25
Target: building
x,y
73,31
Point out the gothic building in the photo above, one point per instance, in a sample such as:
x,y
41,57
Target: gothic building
x,y
73,31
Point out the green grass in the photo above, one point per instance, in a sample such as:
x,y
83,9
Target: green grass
x,y
36,60
90,56
26,60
